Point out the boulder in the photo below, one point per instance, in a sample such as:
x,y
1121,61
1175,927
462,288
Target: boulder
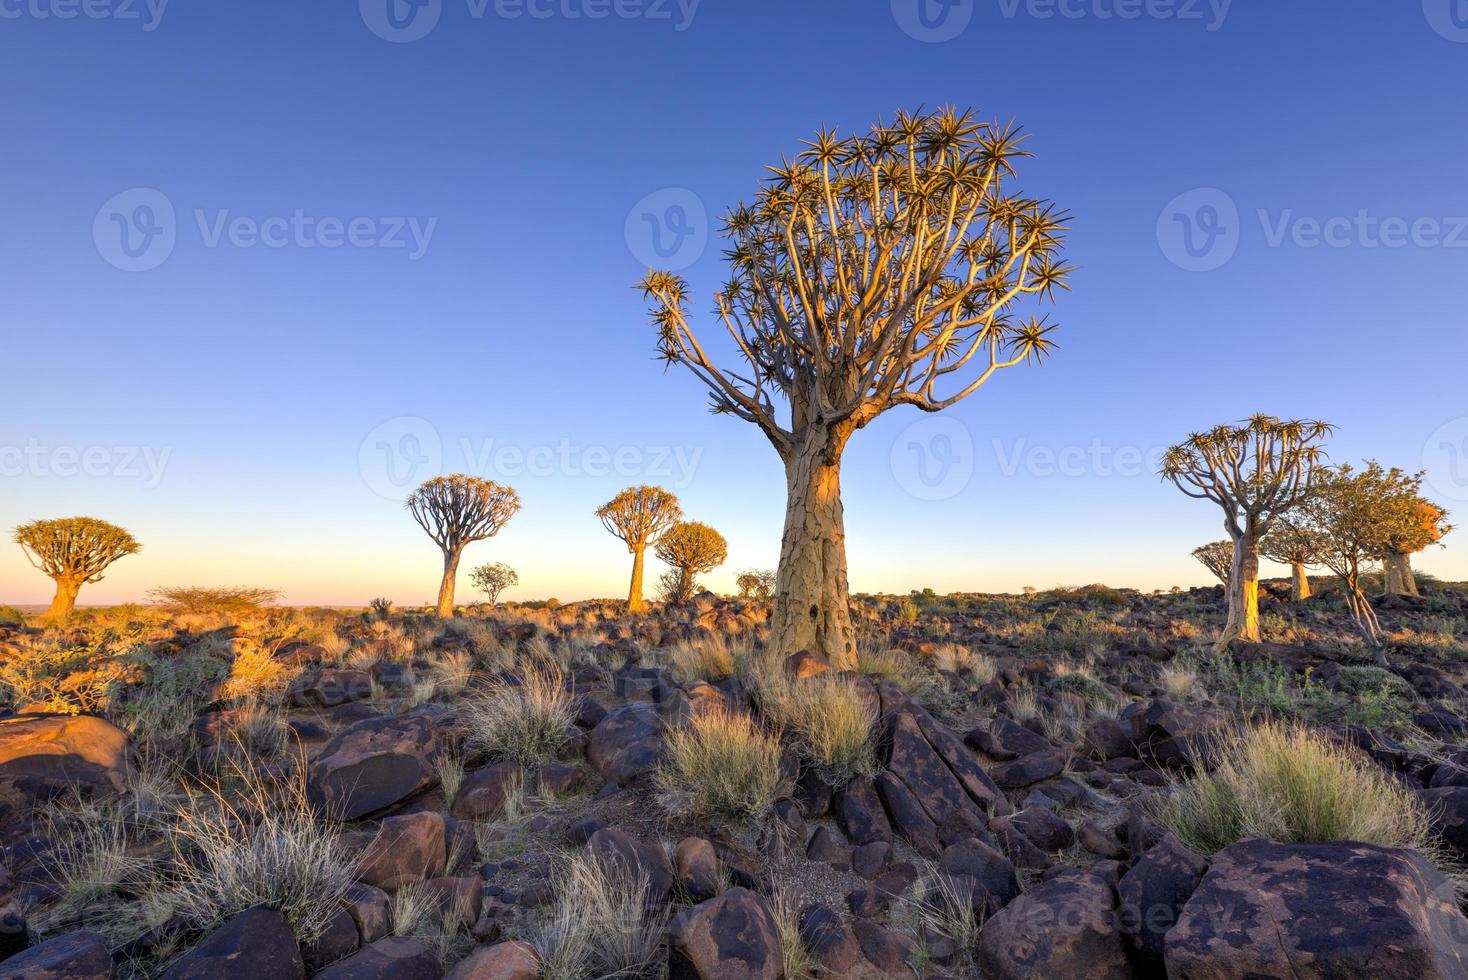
x,y
483,793
1046,829
502,961
619,853
1449,808
1330,910
1028,769
394,958
731,937
329,688
43,757
1173,735
860,813
408,849
1154,892
988,872
256,943
70,956
1064,927
627,744
372,765
698,869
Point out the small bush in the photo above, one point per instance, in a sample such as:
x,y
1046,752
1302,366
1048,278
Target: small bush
x,y
831,721
1292,785
720,765
11,616
1179,681
525,721
255,675
221,600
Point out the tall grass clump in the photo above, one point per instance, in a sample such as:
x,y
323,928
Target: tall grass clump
x,y
831,720
602,925
525,721
258,843
1291,784
720,765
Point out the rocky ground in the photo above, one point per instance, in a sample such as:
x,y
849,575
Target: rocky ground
x,y
351,795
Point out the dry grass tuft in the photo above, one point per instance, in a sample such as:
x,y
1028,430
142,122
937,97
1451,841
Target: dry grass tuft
x,y
720,765
526,722
829,718
602,925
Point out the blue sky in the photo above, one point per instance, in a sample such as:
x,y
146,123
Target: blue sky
x,y
388,255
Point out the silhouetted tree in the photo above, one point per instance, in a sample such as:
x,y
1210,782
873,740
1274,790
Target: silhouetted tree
x,y
1292,543
494,579
1422,525
1256,471
638,515
868,273
73,551
692,549
1217,557
456,511
756,583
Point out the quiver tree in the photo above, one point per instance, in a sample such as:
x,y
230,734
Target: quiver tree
x,y
756,583
692,549
1421,525
637,516
73,551
1354,516
1217,557
872,271
1291,542
1256,471
494,579
456,511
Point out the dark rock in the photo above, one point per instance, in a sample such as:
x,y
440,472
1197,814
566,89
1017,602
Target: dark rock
x,y
1045,829
337,940
987,868
373,765
860,813
407,849
43,757
619,853
1152,894
1064,927
627,744
502,961
371,908
70,956
483,793
394,958
1319,911
329,688
1028,769
698,869
731,937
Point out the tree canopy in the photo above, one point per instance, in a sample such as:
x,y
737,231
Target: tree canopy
x,y
458,510
75,548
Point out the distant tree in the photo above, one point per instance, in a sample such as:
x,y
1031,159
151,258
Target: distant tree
x,y
1217,557
494,579
1256,471
692,549
1354,516
456,511
1292,543
229,600
381,607
638,515
73,551
867,274
1421,525
756,583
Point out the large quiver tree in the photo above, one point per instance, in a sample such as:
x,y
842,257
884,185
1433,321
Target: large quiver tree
x,y
873,271
1420,525
1256,471
637,516
692,549
1291,542
456,511
73,551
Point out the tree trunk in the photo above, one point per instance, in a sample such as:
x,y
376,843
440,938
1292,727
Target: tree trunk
x,y
812,610
64,601
446,587
1366,620
634,592
1398,576
1299,583
1243,593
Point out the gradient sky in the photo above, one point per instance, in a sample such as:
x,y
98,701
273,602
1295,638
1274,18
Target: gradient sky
x,y
246,408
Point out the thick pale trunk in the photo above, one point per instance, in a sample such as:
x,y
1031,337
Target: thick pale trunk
x,y
1299,583
1399,578
64,601
634,592
1243,594
446,587
812,610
